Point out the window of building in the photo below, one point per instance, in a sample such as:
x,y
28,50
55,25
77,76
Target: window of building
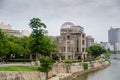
x,y
64,49
70,31
68,37
83,42
83,49
83,35
77,50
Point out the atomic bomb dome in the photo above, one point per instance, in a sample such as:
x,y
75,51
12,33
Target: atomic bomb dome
x,y
67,25
72,40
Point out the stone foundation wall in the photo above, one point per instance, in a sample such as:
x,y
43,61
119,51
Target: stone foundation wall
x,y
71,71
76,75
13,75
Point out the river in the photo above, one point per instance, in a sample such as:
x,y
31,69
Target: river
x,y
110,73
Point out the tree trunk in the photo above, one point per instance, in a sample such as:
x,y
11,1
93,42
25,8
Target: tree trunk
x,y
37,63
36,56
30,57
7,56
24,58
46,75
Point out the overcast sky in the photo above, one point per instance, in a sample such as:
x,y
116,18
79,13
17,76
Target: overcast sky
x,y
96,16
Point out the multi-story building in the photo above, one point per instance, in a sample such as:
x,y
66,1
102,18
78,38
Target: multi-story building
x,y
117,47
25,33
114,36
3,26
107,46
72,42
7,29
89,41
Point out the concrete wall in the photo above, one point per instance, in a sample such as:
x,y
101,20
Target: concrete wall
x,y
76,75
14,75
66,71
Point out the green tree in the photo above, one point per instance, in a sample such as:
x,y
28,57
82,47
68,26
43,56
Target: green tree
x,y
3,44
95,50
25,44
14,46
37,34
46,65
48,46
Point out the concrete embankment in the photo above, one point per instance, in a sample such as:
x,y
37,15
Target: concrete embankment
x,y
75,74
22,75
61,71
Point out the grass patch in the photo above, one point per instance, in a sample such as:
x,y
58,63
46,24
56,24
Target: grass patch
x,y
19,68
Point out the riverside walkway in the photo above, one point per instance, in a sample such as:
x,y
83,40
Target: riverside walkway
x,y
15,64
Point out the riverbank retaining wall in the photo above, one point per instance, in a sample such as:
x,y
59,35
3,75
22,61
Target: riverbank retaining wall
x,y
62,71
75,75
22,75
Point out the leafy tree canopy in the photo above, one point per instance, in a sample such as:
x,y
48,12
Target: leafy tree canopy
x,y
46,64
3,44
39,42
37,33
95,50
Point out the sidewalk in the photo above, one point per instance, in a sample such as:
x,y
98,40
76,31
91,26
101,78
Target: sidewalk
x,y
15,64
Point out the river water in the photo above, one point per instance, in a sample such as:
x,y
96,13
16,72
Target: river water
x,y
110,73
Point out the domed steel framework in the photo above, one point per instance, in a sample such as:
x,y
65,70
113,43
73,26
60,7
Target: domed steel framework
x,y
67,25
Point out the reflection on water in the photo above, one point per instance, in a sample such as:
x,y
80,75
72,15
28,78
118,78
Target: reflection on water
x,y
110,73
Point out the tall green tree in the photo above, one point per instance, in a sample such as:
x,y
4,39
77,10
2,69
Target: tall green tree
x,y
14,44
37,34
95,50
48,46
3,44
25,44
14,47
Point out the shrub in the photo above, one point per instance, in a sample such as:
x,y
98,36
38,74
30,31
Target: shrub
x,y
85,66
72,61
46,64
107,55
86,60
97,58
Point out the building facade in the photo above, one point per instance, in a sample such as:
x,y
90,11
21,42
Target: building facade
x,y
89,41
7,29
114,37
25,33
107,46
117,47
72,42
3,26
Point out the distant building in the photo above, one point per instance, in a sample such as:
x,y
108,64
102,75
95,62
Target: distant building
x,y
89,41
72,42
107,46
12,32
46,32
25,33
7,29
117,47
114,37
3,26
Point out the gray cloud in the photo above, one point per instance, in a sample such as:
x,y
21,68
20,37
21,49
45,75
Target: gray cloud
x,y
95,16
